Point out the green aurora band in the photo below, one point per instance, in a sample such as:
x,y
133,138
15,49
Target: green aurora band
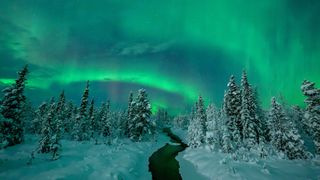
x,y
276,41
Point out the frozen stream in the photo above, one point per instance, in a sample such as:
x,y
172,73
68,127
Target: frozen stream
x,y
163,163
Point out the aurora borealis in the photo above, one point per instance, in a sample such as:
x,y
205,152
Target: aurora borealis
x,y
176,49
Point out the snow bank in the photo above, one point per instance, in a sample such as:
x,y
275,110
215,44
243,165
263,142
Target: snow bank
x,y
81,160
216,165
187,170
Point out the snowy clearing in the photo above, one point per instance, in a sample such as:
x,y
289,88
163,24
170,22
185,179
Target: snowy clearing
x,y
81,160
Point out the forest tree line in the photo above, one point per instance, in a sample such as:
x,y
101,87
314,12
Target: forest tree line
x,y
241,126
57,119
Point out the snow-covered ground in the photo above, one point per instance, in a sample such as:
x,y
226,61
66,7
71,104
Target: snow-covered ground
x,y
81,160
127,160
215,165
187,170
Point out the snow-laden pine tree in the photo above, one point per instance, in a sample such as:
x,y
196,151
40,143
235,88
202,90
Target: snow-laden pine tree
x,y
61,104
45,142
80,130
57,131
194,136
193,111
51,131
131,114
248,113
226,144
99,116
123,123
11,109
294,148
106,120
232,106
312,114
68,124
115,124
237,140
73,122
214,131
201,118
41,113
142,124
277,119
61,112
93,125
197,128
256,113
296,114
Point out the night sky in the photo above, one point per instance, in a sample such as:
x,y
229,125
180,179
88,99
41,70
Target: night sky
x,y
176,49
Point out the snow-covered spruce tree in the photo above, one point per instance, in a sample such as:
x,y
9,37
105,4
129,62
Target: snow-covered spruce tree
x,y
197,128
141,121
61,104
277,118
73,122
41,113
256,113
61,112
193,112
106,120
312,114
247,113
232,106
68,124
11,109
45,142
201,118
93,122
131,113
296,114
294,148
99,116
115,125
80,131
57,131
123,123
237,141
51,133
194,133
226,144
214,131
83,112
